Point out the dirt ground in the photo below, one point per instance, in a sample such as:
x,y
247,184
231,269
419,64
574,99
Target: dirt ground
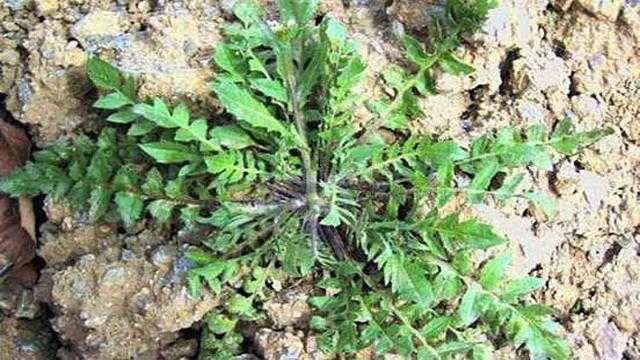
x,y
103,295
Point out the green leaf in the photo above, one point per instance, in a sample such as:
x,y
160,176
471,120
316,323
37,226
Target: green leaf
x,y
445,183
492,273
482,180
141,128
242,105
220,324
158,113
436,327
170,153
509,186
194,132
99,203
125,116
452,65
566,142
271,88
154,184
240,305
299,11
471,233
332,218
231,137
103,75
545,203
468,310
415,52
130,207
226,59
112,101
520,287
482,352
161,210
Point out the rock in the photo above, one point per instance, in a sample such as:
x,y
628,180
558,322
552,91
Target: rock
x,y
607,340
601,55
99,24
289,309
26,339
16,5
46,7
540,71
532,112
605,9
412,14
276,345
587,108
107,308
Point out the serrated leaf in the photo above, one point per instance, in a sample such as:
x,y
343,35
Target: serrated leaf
x,y
270,88
170,153
545,203
130,207
231,137
445,183
435,327
482,180
567,142
332,218
154,184
99,203
103,75
226,59
452,65
468,310
520,287
414,51
509,186
158,113
195,131
125,116
240,305
161,210
492,273
482,352
141,128
220,324
471,233
112,101
242,105
453,347
299,11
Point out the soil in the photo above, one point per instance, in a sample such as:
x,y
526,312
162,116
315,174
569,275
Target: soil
x,y
102,295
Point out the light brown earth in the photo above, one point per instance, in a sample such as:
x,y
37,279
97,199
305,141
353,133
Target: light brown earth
x,y
113,297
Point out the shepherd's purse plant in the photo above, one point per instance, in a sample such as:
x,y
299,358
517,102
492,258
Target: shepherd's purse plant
x,y
290,184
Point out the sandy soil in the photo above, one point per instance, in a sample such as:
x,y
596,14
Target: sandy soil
x,y
535,60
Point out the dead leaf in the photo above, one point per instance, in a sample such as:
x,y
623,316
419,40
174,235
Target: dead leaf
x,y
17,245
15,148
17,248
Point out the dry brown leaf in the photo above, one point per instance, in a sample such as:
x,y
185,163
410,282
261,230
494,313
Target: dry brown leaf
x,y
15,148
17,246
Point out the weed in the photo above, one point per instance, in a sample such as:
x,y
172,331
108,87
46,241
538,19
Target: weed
x,y
289,182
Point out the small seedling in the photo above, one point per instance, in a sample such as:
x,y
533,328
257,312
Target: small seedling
x,y
289,184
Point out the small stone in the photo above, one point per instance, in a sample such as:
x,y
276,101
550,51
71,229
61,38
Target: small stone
x,y
163,255
9,57
277,345
604,9
46,7
289,309
99,24
16,5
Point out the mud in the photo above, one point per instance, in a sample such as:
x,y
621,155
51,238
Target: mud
x,y
115,296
